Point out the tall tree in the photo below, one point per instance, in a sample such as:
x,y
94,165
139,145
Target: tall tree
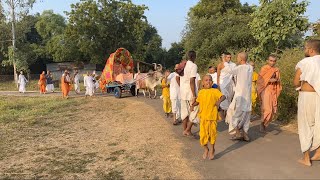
x,y
174,54
17,8
99,27
215,26
278,24
55,45
316,29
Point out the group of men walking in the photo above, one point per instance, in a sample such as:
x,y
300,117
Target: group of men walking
x,y
46,83
238,89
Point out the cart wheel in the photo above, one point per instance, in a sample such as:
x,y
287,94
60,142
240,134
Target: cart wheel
x,y
117,92
133,90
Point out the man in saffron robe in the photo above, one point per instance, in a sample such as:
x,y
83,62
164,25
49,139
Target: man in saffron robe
x,y
65,84
269,89
42,83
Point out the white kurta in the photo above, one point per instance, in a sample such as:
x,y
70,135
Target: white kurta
x,y
89,84
239,111
174,94
214,78
77,83
309,105
22,81
227,84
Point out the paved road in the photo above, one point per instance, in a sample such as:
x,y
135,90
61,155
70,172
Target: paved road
x,y
270,156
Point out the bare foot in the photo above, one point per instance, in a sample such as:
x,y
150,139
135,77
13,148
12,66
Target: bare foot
x,y
205,154
304,162
211,154
262,128
246,137
186,133
316,157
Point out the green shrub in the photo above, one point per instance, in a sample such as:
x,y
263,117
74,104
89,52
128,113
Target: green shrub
x,y
288,98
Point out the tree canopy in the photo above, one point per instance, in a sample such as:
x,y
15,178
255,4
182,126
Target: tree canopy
x,y
215,26
278,24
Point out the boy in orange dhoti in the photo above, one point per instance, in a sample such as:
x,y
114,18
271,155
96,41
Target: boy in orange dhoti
x,y
65,84
269,89
209,100
42,83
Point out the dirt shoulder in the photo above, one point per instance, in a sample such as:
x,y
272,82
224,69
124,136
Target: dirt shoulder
x,y
99,138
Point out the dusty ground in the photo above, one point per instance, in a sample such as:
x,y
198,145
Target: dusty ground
x,y
103,138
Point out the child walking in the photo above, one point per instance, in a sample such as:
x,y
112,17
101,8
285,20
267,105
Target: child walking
x,y
208,100
166,94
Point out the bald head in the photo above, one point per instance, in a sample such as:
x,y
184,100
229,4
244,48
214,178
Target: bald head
x,y
314,44
242,57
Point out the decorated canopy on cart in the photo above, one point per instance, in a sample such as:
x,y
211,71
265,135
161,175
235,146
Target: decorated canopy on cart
x,y
119,67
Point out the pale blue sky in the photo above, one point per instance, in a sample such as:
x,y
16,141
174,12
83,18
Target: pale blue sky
x,y
168,16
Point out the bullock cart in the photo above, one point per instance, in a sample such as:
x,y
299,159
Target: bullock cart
x,y
119,73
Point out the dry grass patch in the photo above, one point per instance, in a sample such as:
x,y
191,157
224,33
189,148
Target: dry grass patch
x,y
93,138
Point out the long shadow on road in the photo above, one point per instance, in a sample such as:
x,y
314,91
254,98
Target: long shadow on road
x,y
267,156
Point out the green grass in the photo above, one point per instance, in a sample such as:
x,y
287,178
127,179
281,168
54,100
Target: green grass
x,y
11,86
31,86
34,110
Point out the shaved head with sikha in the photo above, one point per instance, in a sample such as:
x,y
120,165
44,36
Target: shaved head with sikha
x,y
242,57
312,47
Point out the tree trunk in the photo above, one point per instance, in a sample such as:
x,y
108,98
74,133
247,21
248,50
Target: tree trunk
x,y
13,22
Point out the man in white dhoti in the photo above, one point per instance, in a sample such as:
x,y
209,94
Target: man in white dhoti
x,y
89,84
22,82
239,111
49,86
175,95
307,82
188,93
76,80
225,82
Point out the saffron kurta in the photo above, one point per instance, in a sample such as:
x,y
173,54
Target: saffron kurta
x,y
166,96
269,92
208,114
42,83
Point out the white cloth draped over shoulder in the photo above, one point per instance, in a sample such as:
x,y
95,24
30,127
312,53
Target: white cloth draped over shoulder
x,y
174,86
214,78
77,83
89,84
239,111
22,81
227,84
309,105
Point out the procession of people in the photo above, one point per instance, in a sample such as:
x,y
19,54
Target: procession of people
x,y
229,92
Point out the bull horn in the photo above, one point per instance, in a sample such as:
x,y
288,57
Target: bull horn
x,y
160,67
154,66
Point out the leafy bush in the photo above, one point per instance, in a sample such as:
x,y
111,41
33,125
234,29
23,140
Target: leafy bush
x,y
288,97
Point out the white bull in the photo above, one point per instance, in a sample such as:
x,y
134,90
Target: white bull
x,y
148,82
